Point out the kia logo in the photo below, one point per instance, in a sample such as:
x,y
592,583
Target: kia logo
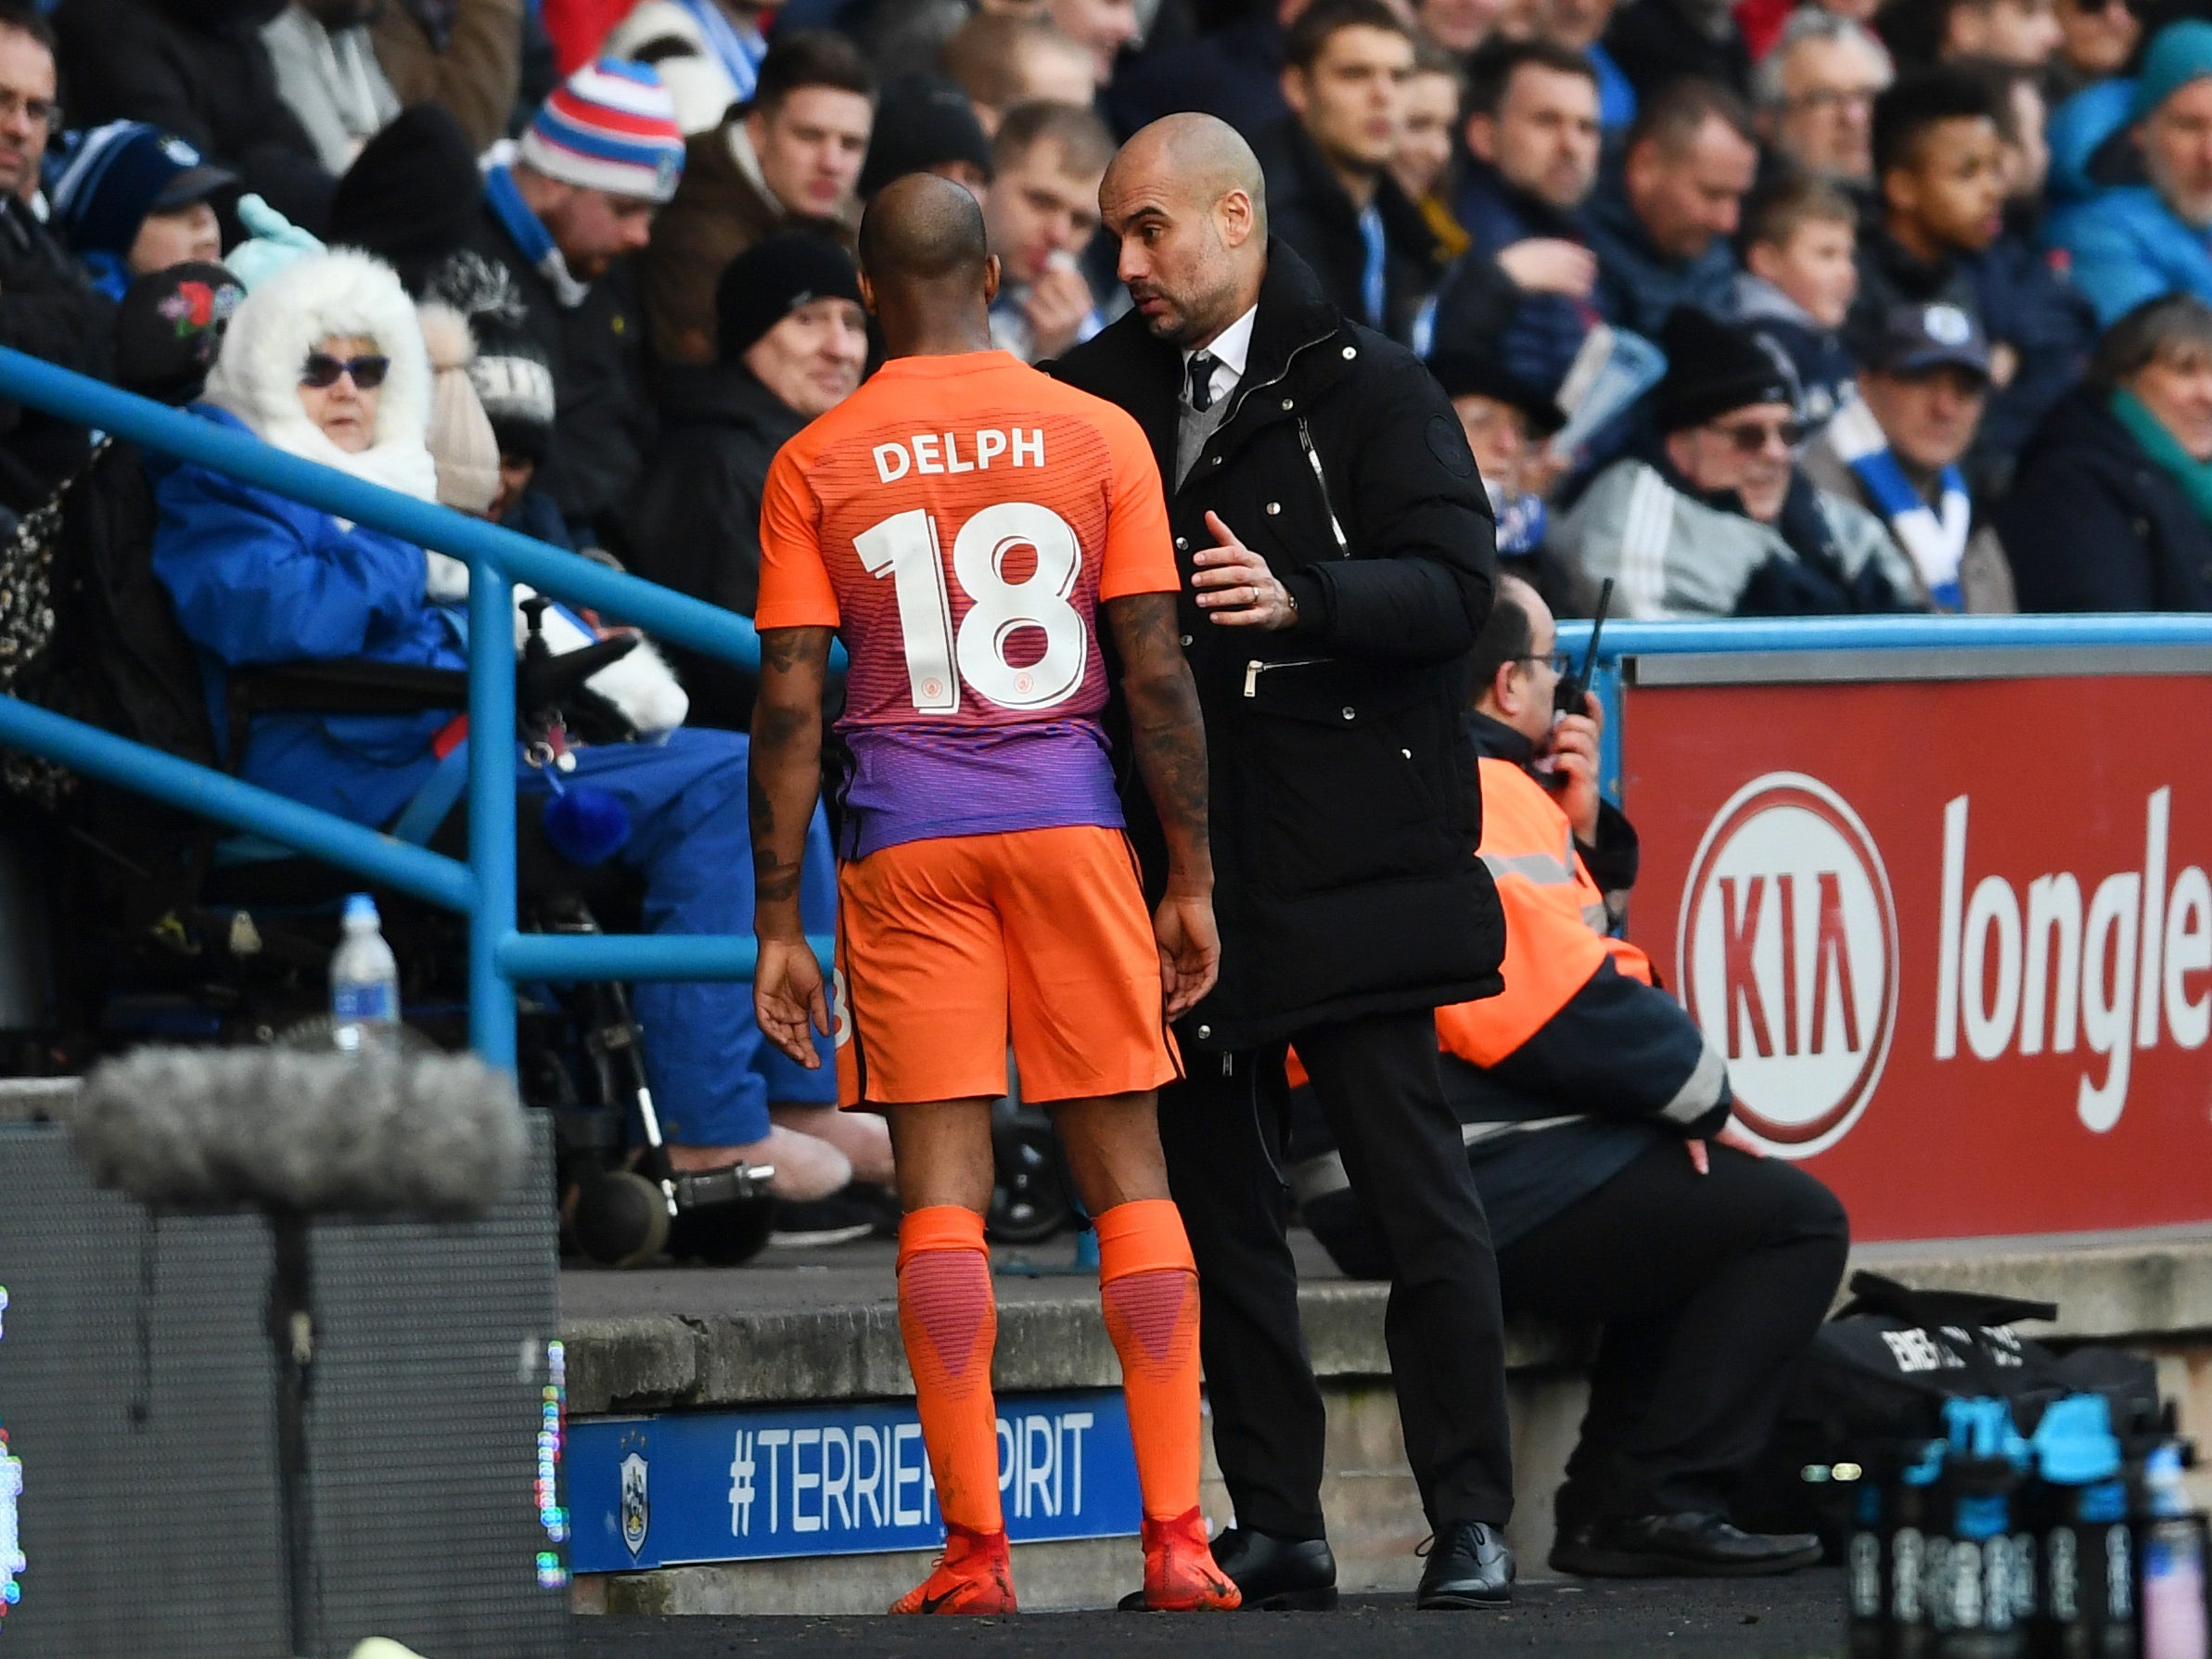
x,y
1787,957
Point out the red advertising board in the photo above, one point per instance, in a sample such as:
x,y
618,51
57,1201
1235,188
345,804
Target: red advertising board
x,y
1954,938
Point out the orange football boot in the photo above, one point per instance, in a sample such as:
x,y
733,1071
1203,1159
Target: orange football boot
x,y
974,1574
1180,1574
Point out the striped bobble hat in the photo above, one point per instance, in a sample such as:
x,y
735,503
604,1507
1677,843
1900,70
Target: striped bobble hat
x,y
610,126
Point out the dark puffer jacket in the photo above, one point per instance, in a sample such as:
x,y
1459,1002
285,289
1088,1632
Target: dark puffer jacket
x,y
198,69
1345,807
2092,524
695,526
48,310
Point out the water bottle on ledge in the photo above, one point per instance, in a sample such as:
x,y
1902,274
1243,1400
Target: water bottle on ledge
x,y
365,982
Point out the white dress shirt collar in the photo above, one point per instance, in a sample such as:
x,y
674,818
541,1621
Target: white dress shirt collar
x,y
1232,349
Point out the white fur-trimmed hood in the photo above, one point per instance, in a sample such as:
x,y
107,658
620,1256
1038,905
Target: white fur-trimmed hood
x,y
282,320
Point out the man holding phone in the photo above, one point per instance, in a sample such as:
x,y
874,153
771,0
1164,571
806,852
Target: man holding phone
x,y
1589,1100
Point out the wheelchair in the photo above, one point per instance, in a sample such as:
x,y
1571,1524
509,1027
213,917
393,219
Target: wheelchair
x,y
229,941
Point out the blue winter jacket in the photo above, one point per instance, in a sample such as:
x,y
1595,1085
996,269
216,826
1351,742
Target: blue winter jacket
x,y
1637,285
2126,247
257,580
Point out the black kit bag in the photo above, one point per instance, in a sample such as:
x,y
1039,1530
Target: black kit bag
x,y
1877,1375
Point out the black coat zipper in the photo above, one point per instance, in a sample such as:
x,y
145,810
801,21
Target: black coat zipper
x,y
1328,507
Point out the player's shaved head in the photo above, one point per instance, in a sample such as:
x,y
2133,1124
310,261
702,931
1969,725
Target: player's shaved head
x,y
1188,202
926,269
922,228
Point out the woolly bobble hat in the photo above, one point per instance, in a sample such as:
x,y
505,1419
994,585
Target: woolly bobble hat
x,y
610,126
460,437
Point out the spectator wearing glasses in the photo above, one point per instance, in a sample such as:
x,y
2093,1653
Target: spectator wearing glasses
x,y
1815,94
47,304
1660,221
1713,519
1895,450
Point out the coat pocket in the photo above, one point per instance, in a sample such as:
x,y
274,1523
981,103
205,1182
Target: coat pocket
x,y
1343,779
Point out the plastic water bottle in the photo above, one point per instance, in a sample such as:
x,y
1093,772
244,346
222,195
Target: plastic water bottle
x,y
365,980
2172,1564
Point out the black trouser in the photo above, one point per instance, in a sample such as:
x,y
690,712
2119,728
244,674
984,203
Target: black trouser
x,y
1223,1132
1709,1288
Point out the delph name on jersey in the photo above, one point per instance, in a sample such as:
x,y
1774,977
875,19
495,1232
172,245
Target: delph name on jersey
x,y
920,453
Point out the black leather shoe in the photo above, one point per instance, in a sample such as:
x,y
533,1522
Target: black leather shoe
x,y
1468,1566
1273,1574
1692,1546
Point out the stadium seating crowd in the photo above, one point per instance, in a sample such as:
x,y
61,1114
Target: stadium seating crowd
x,y
1526,192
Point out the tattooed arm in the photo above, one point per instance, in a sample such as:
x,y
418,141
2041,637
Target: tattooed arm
x,y
1169,738
784,777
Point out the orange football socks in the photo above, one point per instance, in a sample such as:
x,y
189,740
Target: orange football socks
x,y
1148,1285
951,1325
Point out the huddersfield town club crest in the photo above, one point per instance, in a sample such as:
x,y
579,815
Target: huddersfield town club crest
x,y
636,1512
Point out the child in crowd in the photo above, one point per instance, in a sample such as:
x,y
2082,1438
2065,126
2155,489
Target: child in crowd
x,y
1800,249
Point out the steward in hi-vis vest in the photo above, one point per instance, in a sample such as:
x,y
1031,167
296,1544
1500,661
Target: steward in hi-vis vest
x,y
1592,1111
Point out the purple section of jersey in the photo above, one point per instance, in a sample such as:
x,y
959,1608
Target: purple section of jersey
x,y
919,783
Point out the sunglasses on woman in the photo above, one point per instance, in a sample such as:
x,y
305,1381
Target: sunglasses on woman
x,y
323,370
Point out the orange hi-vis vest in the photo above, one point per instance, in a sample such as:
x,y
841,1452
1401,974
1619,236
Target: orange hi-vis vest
x,y
1554,920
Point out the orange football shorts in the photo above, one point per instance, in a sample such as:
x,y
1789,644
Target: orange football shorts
x,y
946,948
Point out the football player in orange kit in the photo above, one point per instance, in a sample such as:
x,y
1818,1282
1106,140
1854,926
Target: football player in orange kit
x,y
961,522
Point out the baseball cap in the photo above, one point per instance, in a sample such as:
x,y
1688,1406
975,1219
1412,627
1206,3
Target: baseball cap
x,y
112,177
1915,339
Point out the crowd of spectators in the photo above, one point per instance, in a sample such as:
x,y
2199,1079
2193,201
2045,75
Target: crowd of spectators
x,y
1770,309
1754,308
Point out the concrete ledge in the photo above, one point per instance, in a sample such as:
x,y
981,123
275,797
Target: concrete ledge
x,y
2156,1281
2152,1284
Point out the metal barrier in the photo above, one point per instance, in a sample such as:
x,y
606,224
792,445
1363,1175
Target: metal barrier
x,y
483,888
1621,641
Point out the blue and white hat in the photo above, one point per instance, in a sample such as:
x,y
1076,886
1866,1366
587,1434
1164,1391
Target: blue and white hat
x,y
112,177
610,126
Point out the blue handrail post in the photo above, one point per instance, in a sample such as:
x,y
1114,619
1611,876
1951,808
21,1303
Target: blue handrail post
x,y
490,808
1605,680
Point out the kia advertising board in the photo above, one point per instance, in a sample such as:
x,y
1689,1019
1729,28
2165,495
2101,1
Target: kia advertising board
x,y
1955,938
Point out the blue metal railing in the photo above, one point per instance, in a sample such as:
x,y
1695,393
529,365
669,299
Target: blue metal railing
x,y
483,888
